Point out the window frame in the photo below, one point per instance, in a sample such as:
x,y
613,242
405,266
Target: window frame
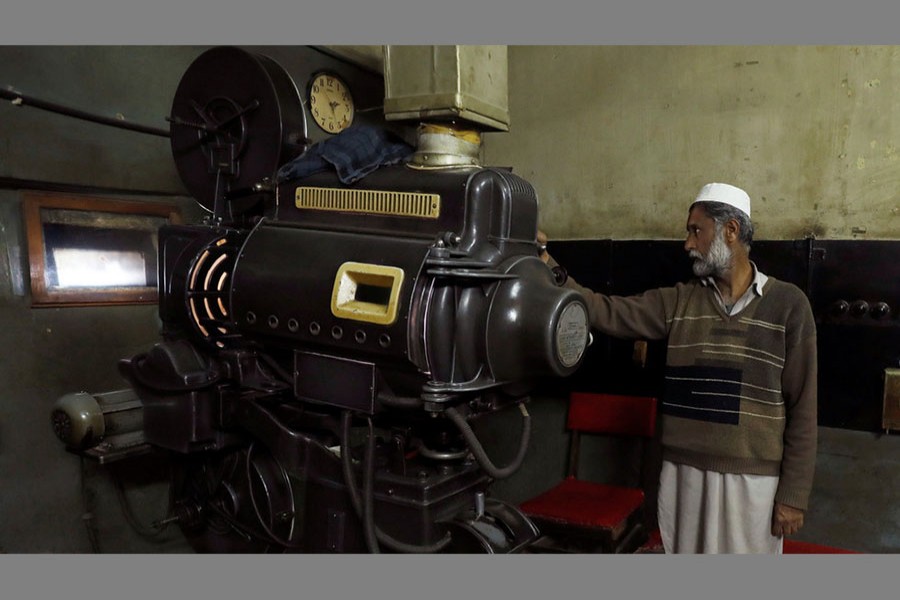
x,y
33,203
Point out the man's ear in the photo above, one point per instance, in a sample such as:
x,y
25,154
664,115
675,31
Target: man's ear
x,y
732,230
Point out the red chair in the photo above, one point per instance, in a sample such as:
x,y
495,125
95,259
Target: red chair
x,y
586,516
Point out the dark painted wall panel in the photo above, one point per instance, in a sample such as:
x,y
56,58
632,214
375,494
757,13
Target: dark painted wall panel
x,y
853,350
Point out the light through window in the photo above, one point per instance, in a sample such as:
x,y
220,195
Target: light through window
x,y
79,268
93,251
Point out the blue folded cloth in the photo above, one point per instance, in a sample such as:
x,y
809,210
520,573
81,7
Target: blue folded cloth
x,y
353,153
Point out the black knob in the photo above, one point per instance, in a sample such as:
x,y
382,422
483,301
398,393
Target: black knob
x,y
840,308
560,275
859,308
881,310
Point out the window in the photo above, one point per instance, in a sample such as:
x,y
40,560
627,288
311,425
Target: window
x,y
86,250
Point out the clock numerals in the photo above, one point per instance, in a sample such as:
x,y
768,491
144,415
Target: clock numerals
x,y
330,102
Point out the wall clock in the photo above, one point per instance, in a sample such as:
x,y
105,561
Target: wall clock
x,y
330,102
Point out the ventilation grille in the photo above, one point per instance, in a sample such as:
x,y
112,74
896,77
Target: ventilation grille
x,y
518,186
207,292
370,202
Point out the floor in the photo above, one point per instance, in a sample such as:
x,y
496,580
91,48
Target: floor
x,y
855,502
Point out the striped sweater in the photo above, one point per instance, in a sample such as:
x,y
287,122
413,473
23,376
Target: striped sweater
x,y
740,393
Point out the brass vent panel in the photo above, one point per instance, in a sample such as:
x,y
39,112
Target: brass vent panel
x,y
370,202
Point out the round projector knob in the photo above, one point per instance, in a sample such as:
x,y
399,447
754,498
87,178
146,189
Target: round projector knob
x,y
840,308
881,310
859,308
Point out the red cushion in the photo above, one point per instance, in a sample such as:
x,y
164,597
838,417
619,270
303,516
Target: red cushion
x,y
798,547
585,504
614,414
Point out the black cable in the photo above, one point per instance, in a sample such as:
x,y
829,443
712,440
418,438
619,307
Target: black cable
x,y
478,450
151,534
347,461
369,490
87,517
202,486
385,539
170,508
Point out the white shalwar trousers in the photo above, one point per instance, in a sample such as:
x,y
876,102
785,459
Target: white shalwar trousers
x,y
705,512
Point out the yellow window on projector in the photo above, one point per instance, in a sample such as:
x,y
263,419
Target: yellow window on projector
x,y
366,292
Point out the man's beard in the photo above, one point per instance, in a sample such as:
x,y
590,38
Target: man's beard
x,y
716,262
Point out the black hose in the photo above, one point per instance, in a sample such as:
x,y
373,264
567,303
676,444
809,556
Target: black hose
x,y
400,401
478,451
385,539
369,490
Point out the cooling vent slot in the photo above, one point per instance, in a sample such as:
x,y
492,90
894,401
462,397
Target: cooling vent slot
x,y
207,292
370,202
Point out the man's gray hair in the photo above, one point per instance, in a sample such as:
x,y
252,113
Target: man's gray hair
x,y
721,213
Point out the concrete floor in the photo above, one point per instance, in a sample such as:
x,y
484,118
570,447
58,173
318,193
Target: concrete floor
x,y
855,503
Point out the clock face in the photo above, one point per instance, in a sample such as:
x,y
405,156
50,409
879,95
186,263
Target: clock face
x,y
330,102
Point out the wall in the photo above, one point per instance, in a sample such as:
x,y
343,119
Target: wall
x,y
48,497
618,139
52,351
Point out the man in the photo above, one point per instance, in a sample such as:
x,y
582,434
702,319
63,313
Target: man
x,y
739,408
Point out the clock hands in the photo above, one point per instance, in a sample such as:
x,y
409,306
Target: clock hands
x,y
331,101
328,89
332,104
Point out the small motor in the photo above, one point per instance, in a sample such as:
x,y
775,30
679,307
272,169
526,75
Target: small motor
x,y
105,426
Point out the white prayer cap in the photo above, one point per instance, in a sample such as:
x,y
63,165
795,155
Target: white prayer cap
x,y
726,194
